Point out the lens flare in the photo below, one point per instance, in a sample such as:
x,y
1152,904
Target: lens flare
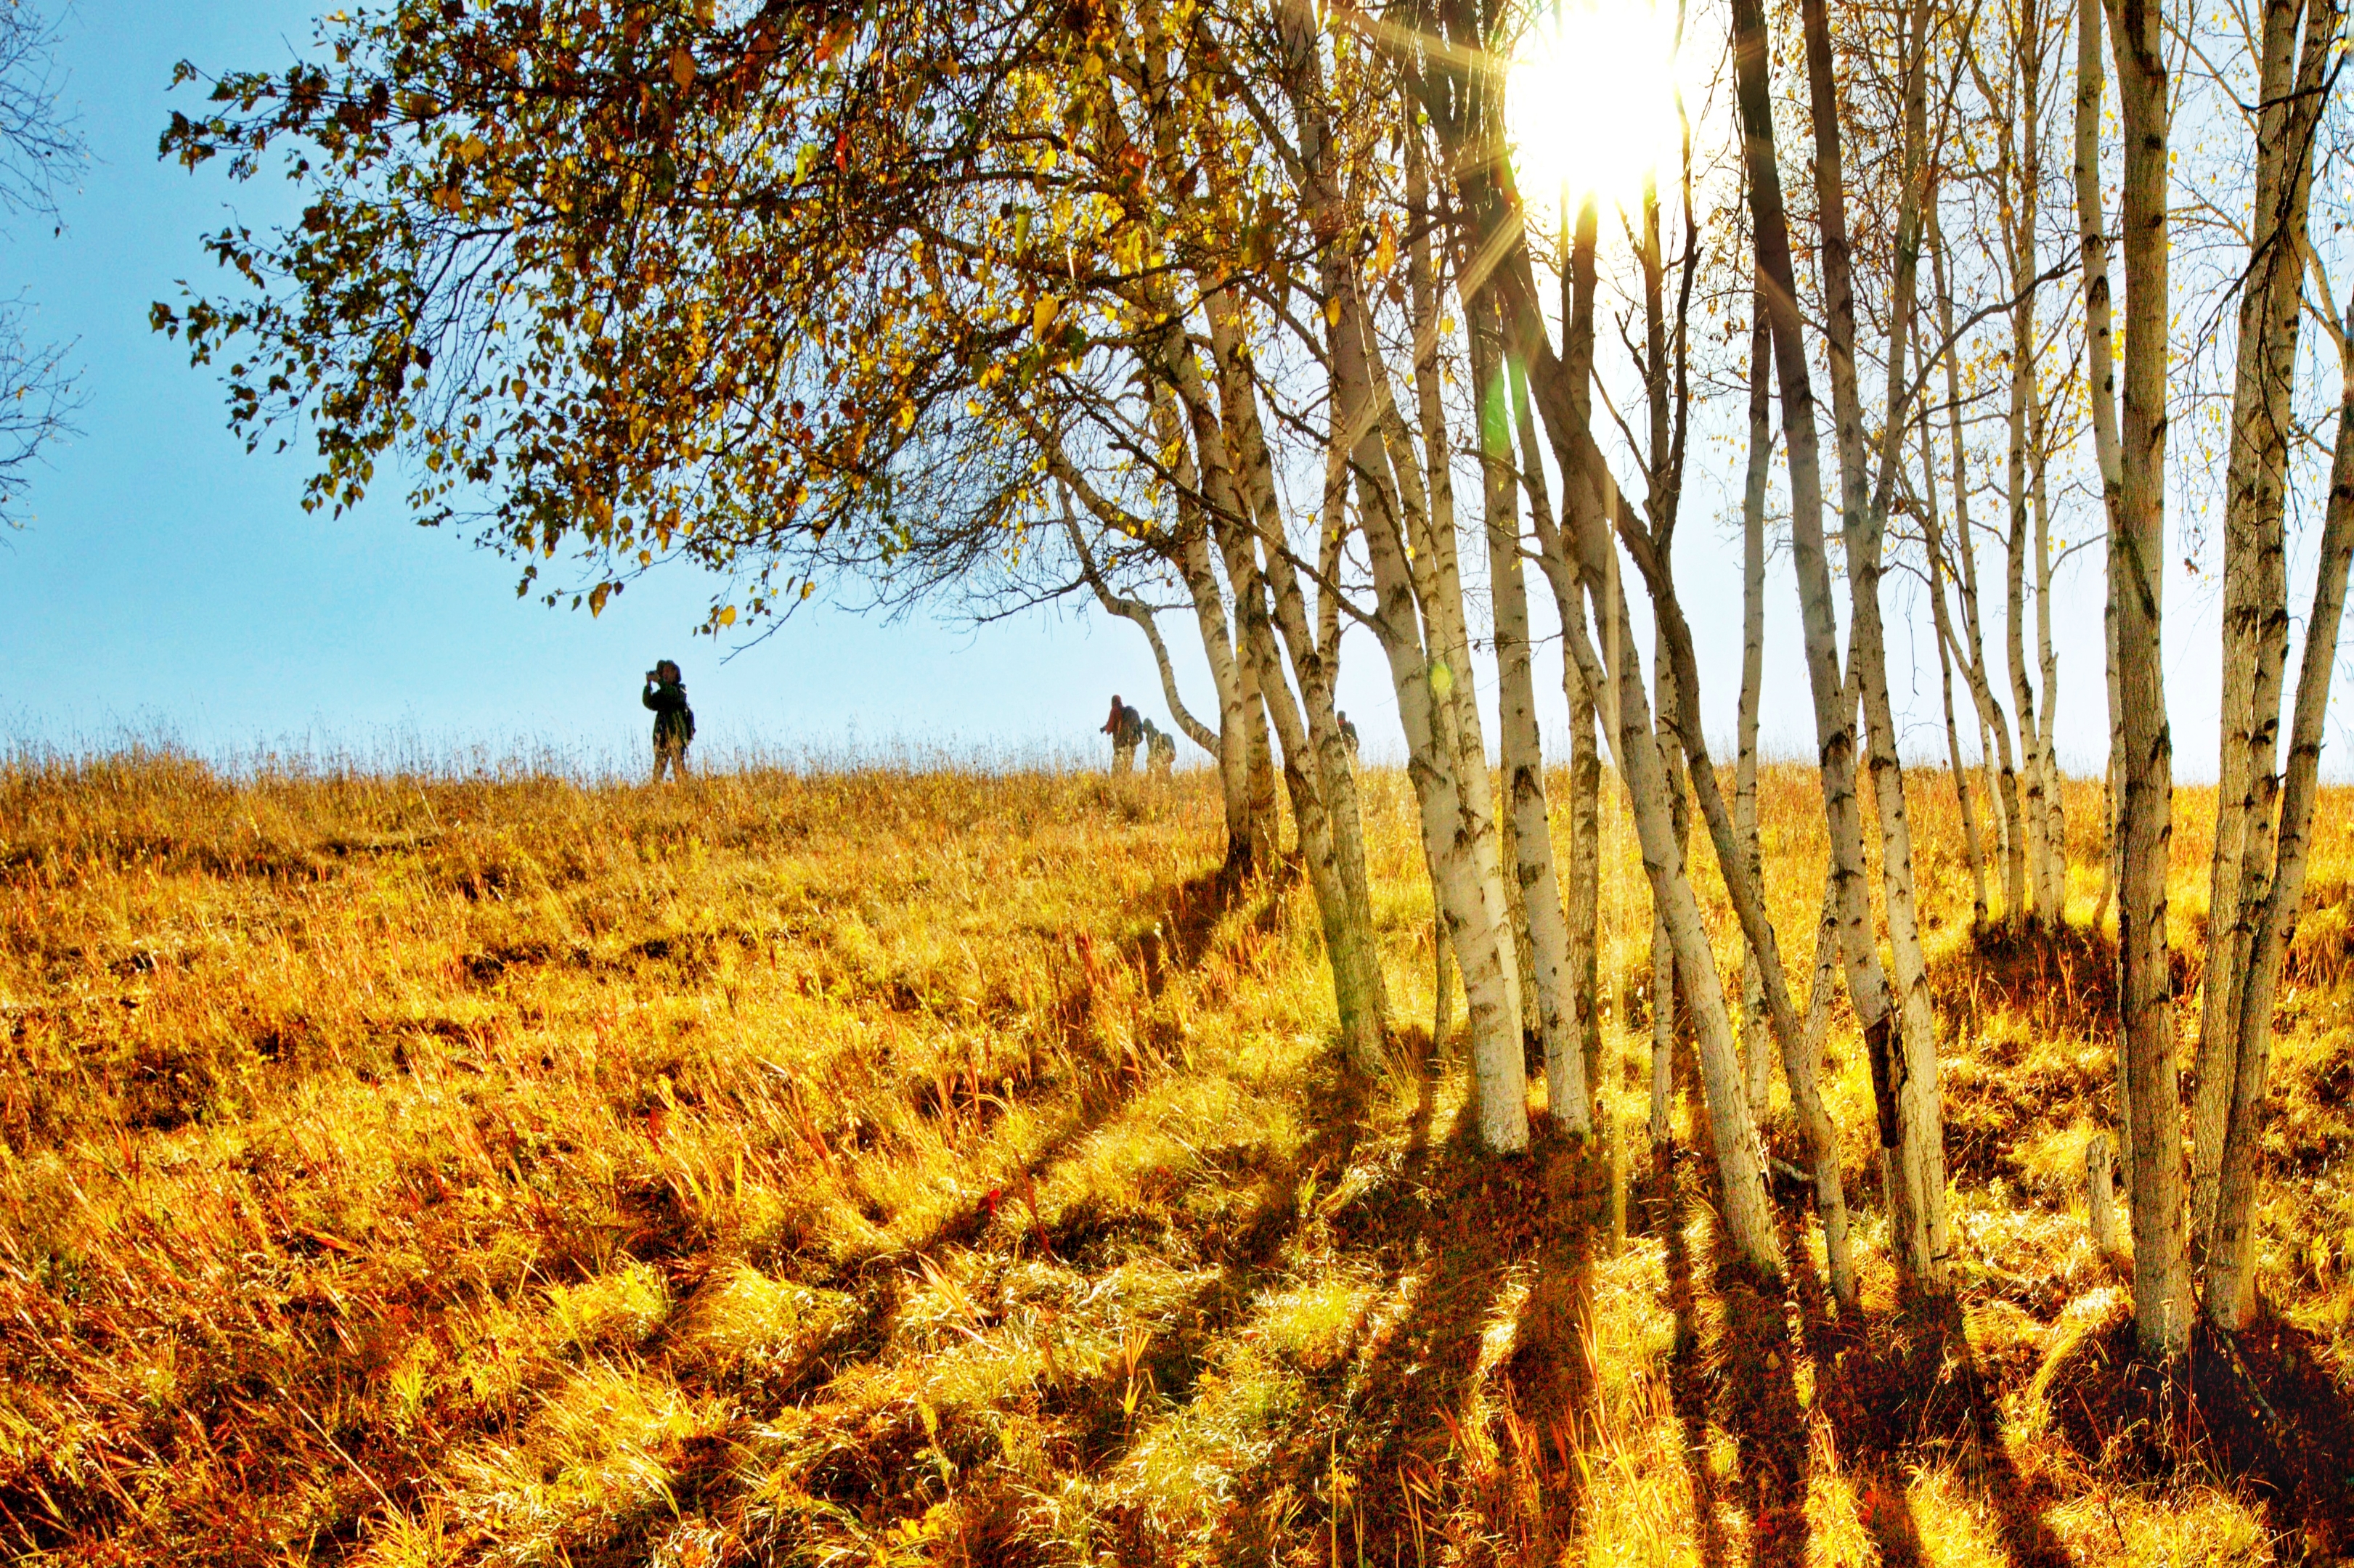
x,y
1590,103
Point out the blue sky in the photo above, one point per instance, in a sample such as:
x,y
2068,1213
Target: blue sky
x,y
169,583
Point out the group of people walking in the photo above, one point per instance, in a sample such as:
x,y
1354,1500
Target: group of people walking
x,y
1129,729
665,697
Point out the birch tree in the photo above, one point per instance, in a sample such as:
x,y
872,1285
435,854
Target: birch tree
x,y
2136,580
2293,61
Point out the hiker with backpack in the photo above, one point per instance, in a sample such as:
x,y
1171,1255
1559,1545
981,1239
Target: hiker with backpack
x,y
1160,753
1126,726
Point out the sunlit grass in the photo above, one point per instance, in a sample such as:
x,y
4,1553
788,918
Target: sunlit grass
x,y
923,1166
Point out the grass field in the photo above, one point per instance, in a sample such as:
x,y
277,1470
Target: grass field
x,y
924,1167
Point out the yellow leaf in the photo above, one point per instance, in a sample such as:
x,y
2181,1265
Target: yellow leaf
x,y
1332,311
681,65
1385,249
727,615
1043,314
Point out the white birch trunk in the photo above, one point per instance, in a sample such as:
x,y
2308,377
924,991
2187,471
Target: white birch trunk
x,y
2136,570
1523,757
2231,1264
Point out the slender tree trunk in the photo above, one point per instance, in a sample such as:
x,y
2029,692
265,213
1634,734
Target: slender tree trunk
x,y
1740,1155
2019,175
2230,1263
2055,806
2137,569
1875,1008
1756,1034
1347,923
1588,514
1245,762
1931,529
1523,757
1338,854
1744,885
2255,586
1993,745
1666,1013
1575,1073
2101,384
1486,950
1905,1064
1411,626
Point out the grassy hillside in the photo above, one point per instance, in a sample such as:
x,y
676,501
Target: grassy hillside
x,y
935,1168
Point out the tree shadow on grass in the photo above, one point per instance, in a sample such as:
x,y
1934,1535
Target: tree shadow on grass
x,y
2259,1411
1905,1389
1393,1453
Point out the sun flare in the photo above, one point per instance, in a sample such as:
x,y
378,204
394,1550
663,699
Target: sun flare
x,y
1590,102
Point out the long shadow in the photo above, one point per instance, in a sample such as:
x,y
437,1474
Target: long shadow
x,y
882,1476
1755,1365
1745,1379
2259,1410
1182,925
1448,1226
1687,1381
1551,1379
1908,1389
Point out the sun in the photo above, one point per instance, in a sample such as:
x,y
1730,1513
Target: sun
x,y
1590,103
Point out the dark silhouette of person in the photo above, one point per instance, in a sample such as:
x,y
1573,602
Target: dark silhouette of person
x,y
1126,728
665,694
1349,736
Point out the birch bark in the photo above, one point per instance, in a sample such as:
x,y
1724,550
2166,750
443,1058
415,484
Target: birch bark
x,y
1994,750
2231,1264
1901,1094
1411,629
1755,1028
1523,757
2137,572
2101,386
2255,595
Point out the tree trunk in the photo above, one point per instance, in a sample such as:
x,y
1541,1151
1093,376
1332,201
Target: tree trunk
x,y
2255,587
2018,176
1580,557
1740,1156
1667,1014
1904,1094
1338,857
1930,529
1754,1030
1574,1074
1346,924
1523,757
1994,744
2101,383
2055,807
2136,571
1408,623
2230,1263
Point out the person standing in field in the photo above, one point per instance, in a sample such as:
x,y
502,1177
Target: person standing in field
x,y
1160,752
1126,728
665,694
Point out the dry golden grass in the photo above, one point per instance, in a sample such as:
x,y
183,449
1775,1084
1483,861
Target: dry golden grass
x,y
943,1168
